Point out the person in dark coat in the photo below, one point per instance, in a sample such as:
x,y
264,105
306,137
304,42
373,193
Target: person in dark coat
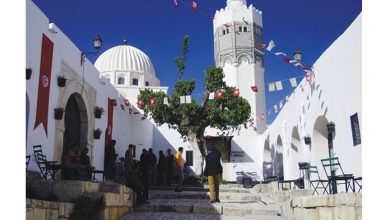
x,y
162,168
152,168
85,165
170,171
143,172
110,160
213,170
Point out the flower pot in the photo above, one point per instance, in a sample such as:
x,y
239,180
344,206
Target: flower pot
x,y
98,112
58,113
307,140
61,81
28,73
96,134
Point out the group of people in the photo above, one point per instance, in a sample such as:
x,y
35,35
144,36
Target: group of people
x,y
76,164
149,171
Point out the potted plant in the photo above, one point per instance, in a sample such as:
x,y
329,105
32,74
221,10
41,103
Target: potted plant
x,y
98,112
58,113
307,140
96,133
61,81
28,73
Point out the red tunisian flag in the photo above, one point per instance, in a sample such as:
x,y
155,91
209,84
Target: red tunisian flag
x,y
44,82
110,111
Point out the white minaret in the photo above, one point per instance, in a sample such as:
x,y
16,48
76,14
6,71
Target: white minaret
x,y
237,39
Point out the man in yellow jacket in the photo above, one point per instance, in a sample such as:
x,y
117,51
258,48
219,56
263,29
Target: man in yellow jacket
x,y
180,166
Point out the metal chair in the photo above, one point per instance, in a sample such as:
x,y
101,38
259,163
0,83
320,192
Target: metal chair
x,y
320,183
358,182
46,168
334,164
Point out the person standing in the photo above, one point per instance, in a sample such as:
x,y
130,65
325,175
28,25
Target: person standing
x,y
162,168
144,174
213,170
170,160
131,179
180,166
152,167
110,162
85,165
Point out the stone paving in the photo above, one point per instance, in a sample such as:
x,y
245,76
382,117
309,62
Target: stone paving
x,y
193,203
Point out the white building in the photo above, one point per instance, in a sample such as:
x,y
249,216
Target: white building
x,y
334,94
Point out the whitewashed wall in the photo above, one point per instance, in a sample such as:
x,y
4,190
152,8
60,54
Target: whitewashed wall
x,y
126,128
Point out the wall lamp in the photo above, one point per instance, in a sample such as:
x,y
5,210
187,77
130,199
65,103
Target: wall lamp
x,y
97,43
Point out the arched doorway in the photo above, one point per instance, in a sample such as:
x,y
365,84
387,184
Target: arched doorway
x,y
267,160
296,154
320,143
76,123
278,160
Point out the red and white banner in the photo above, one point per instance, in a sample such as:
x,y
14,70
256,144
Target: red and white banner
x,y
176,2
44,82
194,6
110,112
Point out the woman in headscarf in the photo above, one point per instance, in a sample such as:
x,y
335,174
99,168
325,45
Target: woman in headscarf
x,y
213,170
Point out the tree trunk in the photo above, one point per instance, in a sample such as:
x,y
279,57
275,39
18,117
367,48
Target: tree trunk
x,y
198,146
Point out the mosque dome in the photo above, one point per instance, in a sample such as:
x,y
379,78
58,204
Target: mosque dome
x,y
125,58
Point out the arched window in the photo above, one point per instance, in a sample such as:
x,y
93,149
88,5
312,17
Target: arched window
x,y
135,82
146,83
240,29
121,80
245,29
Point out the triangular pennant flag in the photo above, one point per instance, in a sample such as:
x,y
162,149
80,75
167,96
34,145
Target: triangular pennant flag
x,y
308,77
182,99
165,100
194,6
293,82
127,102
130,111
262,45
281,104
298,64
280,53
262,116
136,113
254,88
176,2
211,95
271,45
271,86
144,117
287,98
188,99
275,108
236,92
286,59
292,61
226,25
305,67
122,107
279,85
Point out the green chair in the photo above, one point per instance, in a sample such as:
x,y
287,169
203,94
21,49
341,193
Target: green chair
x,y
333,164
316,182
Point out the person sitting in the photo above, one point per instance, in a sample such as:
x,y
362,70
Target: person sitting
x,y
85,165
70,166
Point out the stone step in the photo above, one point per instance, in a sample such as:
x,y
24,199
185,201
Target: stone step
x,y
203,206
205,188
191,216
226,196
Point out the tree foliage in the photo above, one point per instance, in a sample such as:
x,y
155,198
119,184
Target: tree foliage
x,y
181,61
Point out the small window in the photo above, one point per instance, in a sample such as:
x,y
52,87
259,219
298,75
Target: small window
x,y
223,32
121,80
135,82
146,83
227,31
190,158
240,29
245,29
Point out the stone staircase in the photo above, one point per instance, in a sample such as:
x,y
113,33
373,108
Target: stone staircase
x,y
193,203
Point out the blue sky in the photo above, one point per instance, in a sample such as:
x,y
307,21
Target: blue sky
x,y
157,28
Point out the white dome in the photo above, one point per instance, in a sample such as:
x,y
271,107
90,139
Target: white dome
x,y
124,58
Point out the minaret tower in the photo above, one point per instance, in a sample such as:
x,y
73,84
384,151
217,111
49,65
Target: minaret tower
x,y
237,40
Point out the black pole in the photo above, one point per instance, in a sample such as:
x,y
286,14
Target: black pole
x,y
332,171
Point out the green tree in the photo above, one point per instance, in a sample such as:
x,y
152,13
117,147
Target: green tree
x,y
191,119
